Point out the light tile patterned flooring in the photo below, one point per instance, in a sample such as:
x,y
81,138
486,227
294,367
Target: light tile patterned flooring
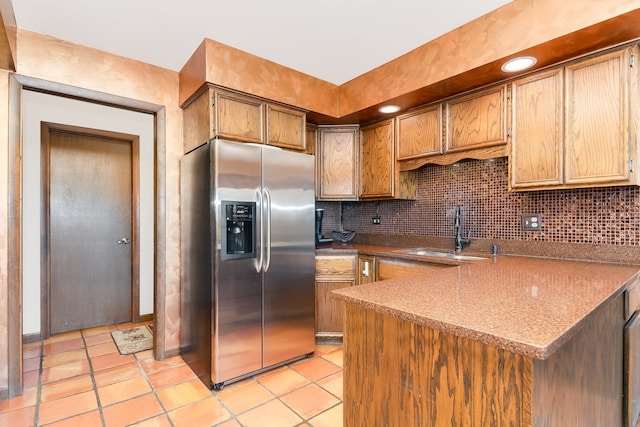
x,y
80,379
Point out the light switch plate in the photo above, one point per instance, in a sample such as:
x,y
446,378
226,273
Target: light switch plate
x,y
531,222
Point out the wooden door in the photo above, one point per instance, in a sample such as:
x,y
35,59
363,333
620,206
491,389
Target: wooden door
x,y
89,231
597,119
537,131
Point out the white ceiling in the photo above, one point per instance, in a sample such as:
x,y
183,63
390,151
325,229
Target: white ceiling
x,y
334,40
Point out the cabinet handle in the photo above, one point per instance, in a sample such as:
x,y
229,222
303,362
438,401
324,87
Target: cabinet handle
x,y
365,272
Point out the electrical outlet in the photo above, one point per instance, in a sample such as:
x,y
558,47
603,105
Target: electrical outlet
x,y
531,222
376,220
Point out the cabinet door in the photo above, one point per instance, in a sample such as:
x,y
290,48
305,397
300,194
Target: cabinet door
x,y
476,120
597,119
377,164
537,131
286,127
419,133
329,311
337,163
366,269
239,117
332,272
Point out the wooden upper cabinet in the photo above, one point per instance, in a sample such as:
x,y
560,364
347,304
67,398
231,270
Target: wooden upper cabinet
x,y
419,133
577,126
376,160
598,127
238,117
477,120
379,176
311,137
537,130
286,127
197,119
337,163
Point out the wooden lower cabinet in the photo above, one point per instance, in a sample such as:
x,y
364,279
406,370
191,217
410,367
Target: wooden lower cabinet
x,y
398,373
391,268
332,272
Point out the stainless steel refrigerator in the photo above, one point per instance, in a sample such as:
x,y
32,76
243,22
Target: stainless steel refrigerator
x,y
248,259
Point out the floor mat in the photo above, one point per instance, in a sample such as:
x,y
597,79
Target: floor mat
x,y
133,340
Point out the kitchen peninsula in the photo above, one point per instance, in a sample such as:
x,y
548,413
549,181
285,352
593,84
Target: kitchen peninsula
x,y
505,341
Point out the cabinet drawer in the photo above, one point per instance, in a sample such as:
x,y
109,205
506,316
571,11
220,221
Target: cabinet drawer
x,y
335,266
391,269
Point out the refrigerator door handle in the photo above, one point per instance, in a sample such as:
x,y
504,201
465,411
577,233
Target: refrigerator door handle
x,y
260,263
267,232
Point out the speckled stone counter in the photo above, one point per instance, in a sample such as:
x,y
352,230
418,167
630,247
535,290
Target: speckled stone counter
x,y
529,306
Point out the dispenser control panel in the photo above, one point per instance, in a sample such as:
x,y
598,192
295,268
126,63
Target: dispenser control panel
x,y
238,230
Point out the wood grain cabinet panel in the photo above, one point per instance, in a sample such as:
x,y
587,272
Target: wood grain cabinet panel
x,y
238,117
311,138
577,126
398,373
332,272
337,163
387,268
419,133
197,126
597,109
537,131
379,177
286,127
476,120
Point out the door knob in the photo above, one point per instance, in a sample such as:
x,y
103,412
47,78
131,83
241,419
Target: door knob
x,y
124,241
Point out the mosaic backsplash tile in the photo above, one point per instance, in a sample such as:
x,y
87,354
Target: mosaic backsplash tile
x,y
608,215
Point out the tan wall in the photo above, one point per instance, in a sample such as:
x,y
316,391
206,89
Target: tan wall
x,y
60,62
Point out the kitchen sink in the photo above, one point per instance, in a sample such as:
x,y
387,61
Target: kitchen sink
x,y
446,255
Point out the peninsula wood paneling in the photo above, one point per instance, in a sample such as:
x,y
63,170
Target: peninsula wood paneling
x,y
581,384
399,374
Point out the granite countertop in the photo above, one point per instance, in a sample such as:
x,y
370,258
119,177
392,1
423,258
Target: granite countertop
x,y
526,305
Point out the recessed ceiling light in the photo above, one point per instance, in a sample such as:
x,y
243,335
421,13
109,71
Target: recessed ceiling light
x,y
518,64
388,109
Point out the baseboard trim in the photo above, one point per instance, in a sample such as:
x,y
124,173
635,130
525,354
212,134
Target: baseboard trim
x,y
146,317
171,352
33,337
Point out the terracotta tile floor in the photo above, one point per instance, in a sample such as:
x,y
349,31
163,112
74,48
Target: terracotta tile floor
x,y
80,379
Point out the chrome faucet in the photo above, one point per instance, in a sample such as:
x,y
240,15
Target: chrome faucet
x,y
460,242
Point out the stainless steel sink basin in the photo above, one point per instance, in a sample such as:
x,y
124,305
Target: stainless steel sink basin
x,y
447,255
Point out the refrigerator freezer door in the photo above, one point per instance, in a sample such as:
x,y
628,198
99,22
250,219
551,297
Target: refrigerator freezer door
x,y
237,299
289,307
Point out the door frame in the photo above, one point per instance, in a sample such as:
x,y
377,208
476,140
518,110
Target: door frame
x,y
45,229
18,83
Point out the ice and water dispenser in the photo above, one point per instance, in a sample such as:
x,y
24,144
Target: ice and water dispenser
x,y
239,230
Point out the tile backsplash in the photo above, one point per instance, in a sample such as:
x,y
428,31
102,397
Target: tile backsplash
x,y
608,215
